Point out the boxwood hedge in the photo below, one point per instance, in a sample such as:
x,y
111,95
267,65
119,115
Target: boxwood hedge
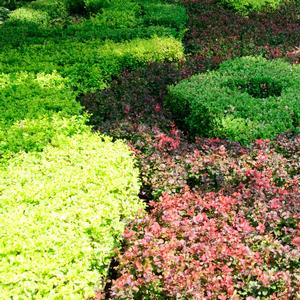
x,y
245,99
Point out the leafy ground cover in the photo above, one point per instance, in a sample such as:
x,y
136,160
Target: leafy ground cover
x,y
222,220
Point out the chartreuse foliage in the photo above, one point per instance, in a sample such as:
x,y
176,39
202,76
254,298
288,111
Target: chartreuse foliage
x,y
246,99
61,214
58,227
34,108
247,6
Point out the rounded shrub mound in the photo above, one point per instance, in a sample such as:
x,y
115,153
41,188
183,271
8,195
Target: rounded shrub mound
x,y
62,212
245,99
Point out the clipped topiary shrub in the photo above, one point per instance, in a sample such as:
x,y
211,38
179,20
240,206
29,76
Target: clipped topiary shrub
x,y
246,99
62,212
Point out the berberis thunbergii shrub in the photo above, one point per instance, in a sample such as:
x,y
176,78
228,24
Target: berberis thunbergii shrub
x,y
245,99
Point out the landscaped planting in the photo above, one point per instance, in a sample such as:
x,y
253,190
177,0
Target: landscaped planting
x,y
66,193
235,234
95,69
245,99
220,220
248,6
62,213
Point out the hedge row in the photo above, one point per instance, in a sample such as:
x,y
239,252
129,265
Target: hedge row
x,y
59,228
246,99
94,69
49,212
41,19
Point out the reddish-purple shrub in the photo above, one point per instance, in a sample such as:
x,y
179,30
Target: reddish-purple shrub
x,y
220,32
234,232
215,246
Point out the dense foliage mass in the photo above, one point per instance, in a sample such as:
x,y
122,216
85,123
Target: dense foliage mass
x,y
245,99
233,232
62,212
247,6
66,194
28,27
225,221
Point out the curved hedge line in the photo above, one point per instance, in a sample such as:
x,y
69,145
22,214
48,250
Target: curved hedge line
x,y
94,69
65,193
62,212
246,99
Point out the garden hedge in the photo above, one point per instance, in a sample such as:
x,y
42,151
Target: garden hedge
x,y
245,99
62,212
59,229
94,69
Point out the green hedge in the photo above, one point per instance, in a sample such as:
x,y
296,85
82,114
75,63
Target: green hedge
x,y
62,212
94,69
58,228
169,15
118,21
29,95
246,99
247,6
54,8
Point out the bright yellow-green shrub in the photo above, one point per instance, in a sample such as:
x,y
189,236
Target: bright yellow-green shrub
x,y
62,212
246,6
121,14
28,95
29,16
65,193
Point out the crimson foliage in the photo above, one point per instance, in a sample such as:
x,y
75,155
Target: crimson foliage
x,y
239,236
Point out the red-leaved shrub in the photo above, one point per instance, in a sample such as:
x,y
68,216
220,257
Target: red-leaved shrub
x,y
233,234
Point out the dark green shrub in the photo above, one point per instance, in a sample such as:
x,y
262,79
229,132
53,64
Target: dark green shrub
x,y
159,13
75,6
4,12
246,99
54,8
95,5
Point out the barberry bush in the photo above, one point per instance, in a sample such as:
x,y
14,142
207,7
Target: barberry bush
x,y
240,240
